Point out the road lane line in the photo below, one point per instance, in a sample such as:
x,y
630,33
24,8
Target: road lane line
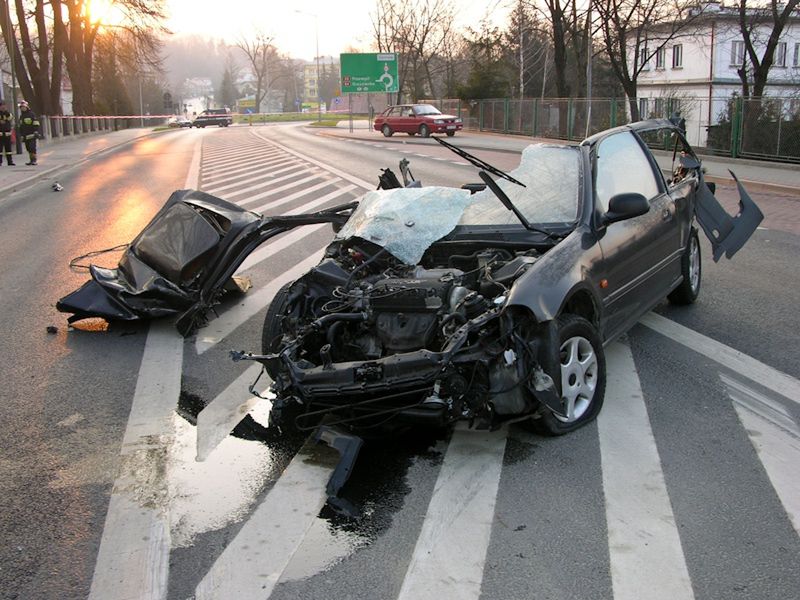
x,y
321,201
223,174
449,557
261,179
645,551
346,176
215,331
252,563
299,194
133,559
736,361
272,191
223,413
776,439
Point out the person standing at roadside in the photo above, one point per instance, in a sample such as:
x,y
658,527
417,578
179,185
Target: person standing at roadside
x,y
28,130
6,125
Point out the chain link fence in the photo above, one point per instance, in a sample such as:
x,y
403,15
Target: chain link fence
x,y
761,128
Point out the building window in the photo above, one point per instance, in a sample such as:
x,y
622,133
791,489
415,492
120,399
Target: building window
x,y
660,57
677,56
796,61
643,114
780,54
737,54
658,108
643,59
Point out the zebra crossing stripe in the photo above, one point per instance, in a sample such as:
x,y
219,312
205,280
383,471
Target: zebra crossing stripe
x,y
776,438
272,191
449,557
224,412
252,563
645,551
299,194
738,362
259,181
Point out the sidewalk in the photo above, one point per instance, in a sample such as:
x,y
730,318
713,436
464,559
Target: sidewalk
x,y
757,175
54,156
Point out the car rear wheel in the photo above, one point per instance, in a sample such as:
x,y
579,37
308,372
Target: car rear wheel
x,y
451,133
424,131
386,131
691,269
583,377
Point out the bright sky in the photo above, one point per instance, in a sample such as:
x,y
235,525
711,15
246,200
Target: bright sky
x,y
342,23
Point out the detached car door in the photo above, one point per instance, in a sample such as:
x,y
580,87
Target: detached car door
x,y
642,255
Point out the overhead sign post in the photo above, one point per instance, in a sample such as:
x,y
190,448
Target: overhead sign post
x,y
374,73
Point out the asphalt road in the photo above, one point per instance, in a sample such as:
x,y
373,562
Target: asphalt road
x,y
686,486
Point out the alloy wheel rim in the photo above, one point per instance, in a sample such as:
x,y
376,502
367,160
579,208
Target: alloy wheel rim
x,y
579,369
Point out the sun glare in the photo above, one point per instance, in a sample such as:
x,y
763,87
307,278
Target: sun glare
x,y
106,12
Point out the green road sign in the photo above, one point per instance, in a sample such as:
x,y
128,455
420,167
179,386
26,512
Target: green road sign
x,y
370,73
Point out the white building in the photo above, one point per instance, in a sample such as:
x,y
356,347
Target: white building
x,y
696,71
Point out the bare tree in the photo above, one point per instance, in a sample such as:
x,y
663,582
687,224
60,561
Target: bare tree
x,y
264,63
633,31
759,20
419,31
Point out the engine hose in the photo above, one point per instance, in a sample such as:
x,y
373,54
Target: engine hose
x,y
323,321
332,331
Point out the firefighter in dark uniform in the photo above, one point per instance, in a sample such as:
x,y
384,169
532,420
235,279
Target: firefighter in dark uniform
x,y
28,130
6,125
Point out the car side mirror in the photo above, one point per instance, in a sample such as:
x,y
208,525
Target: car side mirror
x,y
625,206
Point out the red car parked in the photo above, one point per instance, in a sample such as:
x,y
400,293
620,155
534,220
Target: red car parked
x,y
413,119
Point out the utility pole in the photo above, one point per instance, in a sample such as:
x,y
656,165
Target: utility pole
x,y
588,69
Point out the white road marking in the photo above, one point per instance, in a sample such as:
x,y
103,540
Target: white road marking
x,y
449,557
644,546
321,201
223,413
280,243
215,331
258,182
241,171
133,560
776,439
298,194
272,191
252,563
736,361
346,176
213,164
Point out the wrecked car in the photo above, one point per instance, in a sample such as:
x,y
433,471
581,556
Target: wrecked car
x,y
488,303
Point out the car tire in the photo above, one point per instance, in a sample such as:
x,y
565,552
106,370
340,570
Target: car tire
x,y
583,377
272,331
691,270
386,131
451,133
424,131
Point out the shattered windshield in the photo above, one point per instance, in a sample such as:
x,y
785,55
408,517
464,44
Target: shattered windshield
x,y
552,176
406,221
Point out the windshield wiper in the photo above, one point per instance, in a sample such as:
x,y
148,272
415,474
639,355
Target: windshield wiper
x,y
478,162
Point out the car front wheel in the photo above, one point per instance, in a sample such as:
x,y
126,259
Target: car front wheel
x,y
273,331
583,377
386,131
691,270
451,133
424,131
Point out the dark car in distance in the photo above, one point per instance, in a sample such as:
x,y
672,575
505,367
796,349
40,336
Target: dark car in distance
x,y
488,303
413,119
214,116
